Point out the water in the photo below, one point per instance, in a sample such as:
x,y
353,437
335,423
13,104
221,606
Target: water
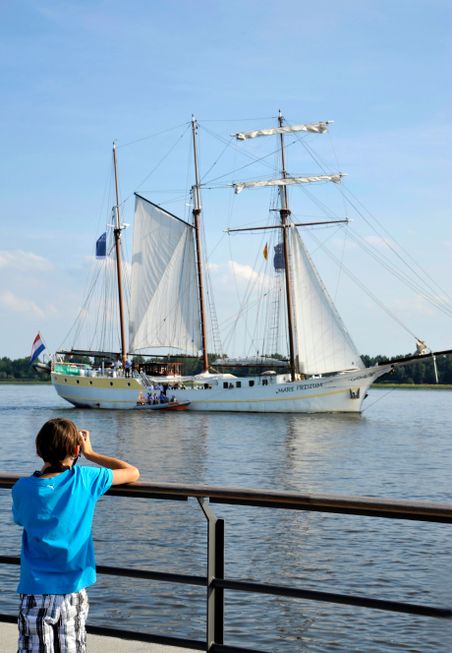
x,y
401,447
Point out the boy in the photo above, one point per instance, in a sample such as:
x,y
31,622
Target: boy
x,y
55,506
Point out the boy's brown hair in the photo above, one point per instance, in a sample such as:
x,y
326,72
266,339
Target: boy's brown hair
x,y
57,440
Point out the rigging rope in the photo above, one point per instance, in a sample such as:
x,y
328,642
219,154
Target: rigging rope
x,y
400,274
361,285
366,408
424,274
164,157
226,147
155,134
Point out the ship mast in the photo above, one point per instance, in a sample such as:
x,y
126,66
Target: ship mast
x,y
284,214
284,211
117,235
196,214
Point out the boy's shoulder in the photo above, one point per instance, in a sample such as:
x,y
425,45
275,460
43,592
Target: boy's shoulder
x,y
24,488
90,471
24,481
97,479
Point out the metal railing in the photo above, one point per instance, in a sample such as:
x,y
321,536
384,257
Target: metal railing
x,y
215,582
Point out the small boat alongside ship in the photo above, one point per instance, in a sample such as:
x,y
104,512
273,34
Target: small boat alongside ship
x,y
324,371
169,406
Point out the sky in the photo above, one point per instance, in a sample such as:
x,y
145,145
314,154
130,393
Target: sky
x,y
78,75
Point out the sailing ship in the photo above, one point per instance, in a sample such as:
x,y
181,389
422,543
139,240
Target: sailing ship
x,y
324,371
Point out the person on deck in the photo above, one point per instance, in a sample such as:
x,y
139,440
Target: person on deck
x,y
117,366
127,368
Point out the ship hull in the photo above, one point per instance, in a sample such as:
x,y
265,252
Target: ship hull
x,y
340,393
98,392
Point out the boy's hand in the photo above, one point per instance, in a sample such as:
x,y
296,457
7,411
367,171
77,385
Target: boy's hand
x,y
85,442
122,472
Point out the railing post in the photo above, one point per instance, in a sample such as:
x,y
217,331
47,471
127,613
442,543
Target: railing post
x,y
215,570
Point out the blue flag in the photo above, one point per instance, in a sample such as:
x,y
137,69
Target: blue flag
x,y
278,259
101,246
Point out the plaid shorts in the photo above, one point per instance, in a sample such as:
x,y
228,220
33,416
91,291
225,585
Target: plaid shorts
x,y
53,623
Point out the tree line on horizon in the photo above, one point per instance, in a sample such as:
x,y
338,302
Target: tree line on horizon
x,y
419,372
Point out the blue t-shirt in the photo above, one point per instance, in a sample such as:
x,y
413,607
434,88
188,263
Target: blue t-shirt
x,y
57,514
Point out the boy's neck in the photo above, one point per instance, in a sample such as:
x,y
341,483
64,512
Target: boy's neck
x,y
48,469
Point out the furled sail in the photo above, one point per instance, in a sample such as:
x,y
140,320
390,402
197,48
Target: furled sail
x,y
164,309
315,128
322,343
287,181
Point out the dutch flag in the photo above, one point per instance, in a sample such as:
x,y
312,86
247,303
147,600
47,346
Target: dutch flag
x,y
37,347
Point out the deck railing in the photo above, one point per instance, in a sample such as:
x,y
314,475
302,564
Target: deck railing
x,y
215,582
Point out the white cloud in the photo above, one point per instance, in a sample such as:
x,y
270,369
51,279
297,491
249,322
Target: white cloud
x,y
242,271
17,304
18,259
213,267
239,273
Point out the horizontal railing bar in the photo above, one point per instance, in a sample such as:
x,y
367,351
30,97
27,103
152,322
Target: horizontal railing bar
x,y
154,639
103,631
8,618
184,579
370,506
9,560
368,511
330,597
266,588
124,491
147,637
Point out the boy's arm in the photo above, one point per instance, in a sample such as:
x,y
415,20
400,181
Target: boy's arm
x,y
122,472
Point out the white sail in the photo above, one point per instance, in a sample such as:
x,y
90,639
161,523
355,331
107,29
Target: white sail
x,y
238,187
164,309
315,128
322,343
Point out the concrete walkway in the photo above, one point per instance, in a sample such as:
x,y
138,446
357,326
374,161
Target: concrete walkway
x,y
95,644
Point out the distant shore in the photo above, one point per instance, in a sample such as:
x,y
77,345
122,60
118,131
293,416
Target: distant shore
x,y
414,386
23,382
